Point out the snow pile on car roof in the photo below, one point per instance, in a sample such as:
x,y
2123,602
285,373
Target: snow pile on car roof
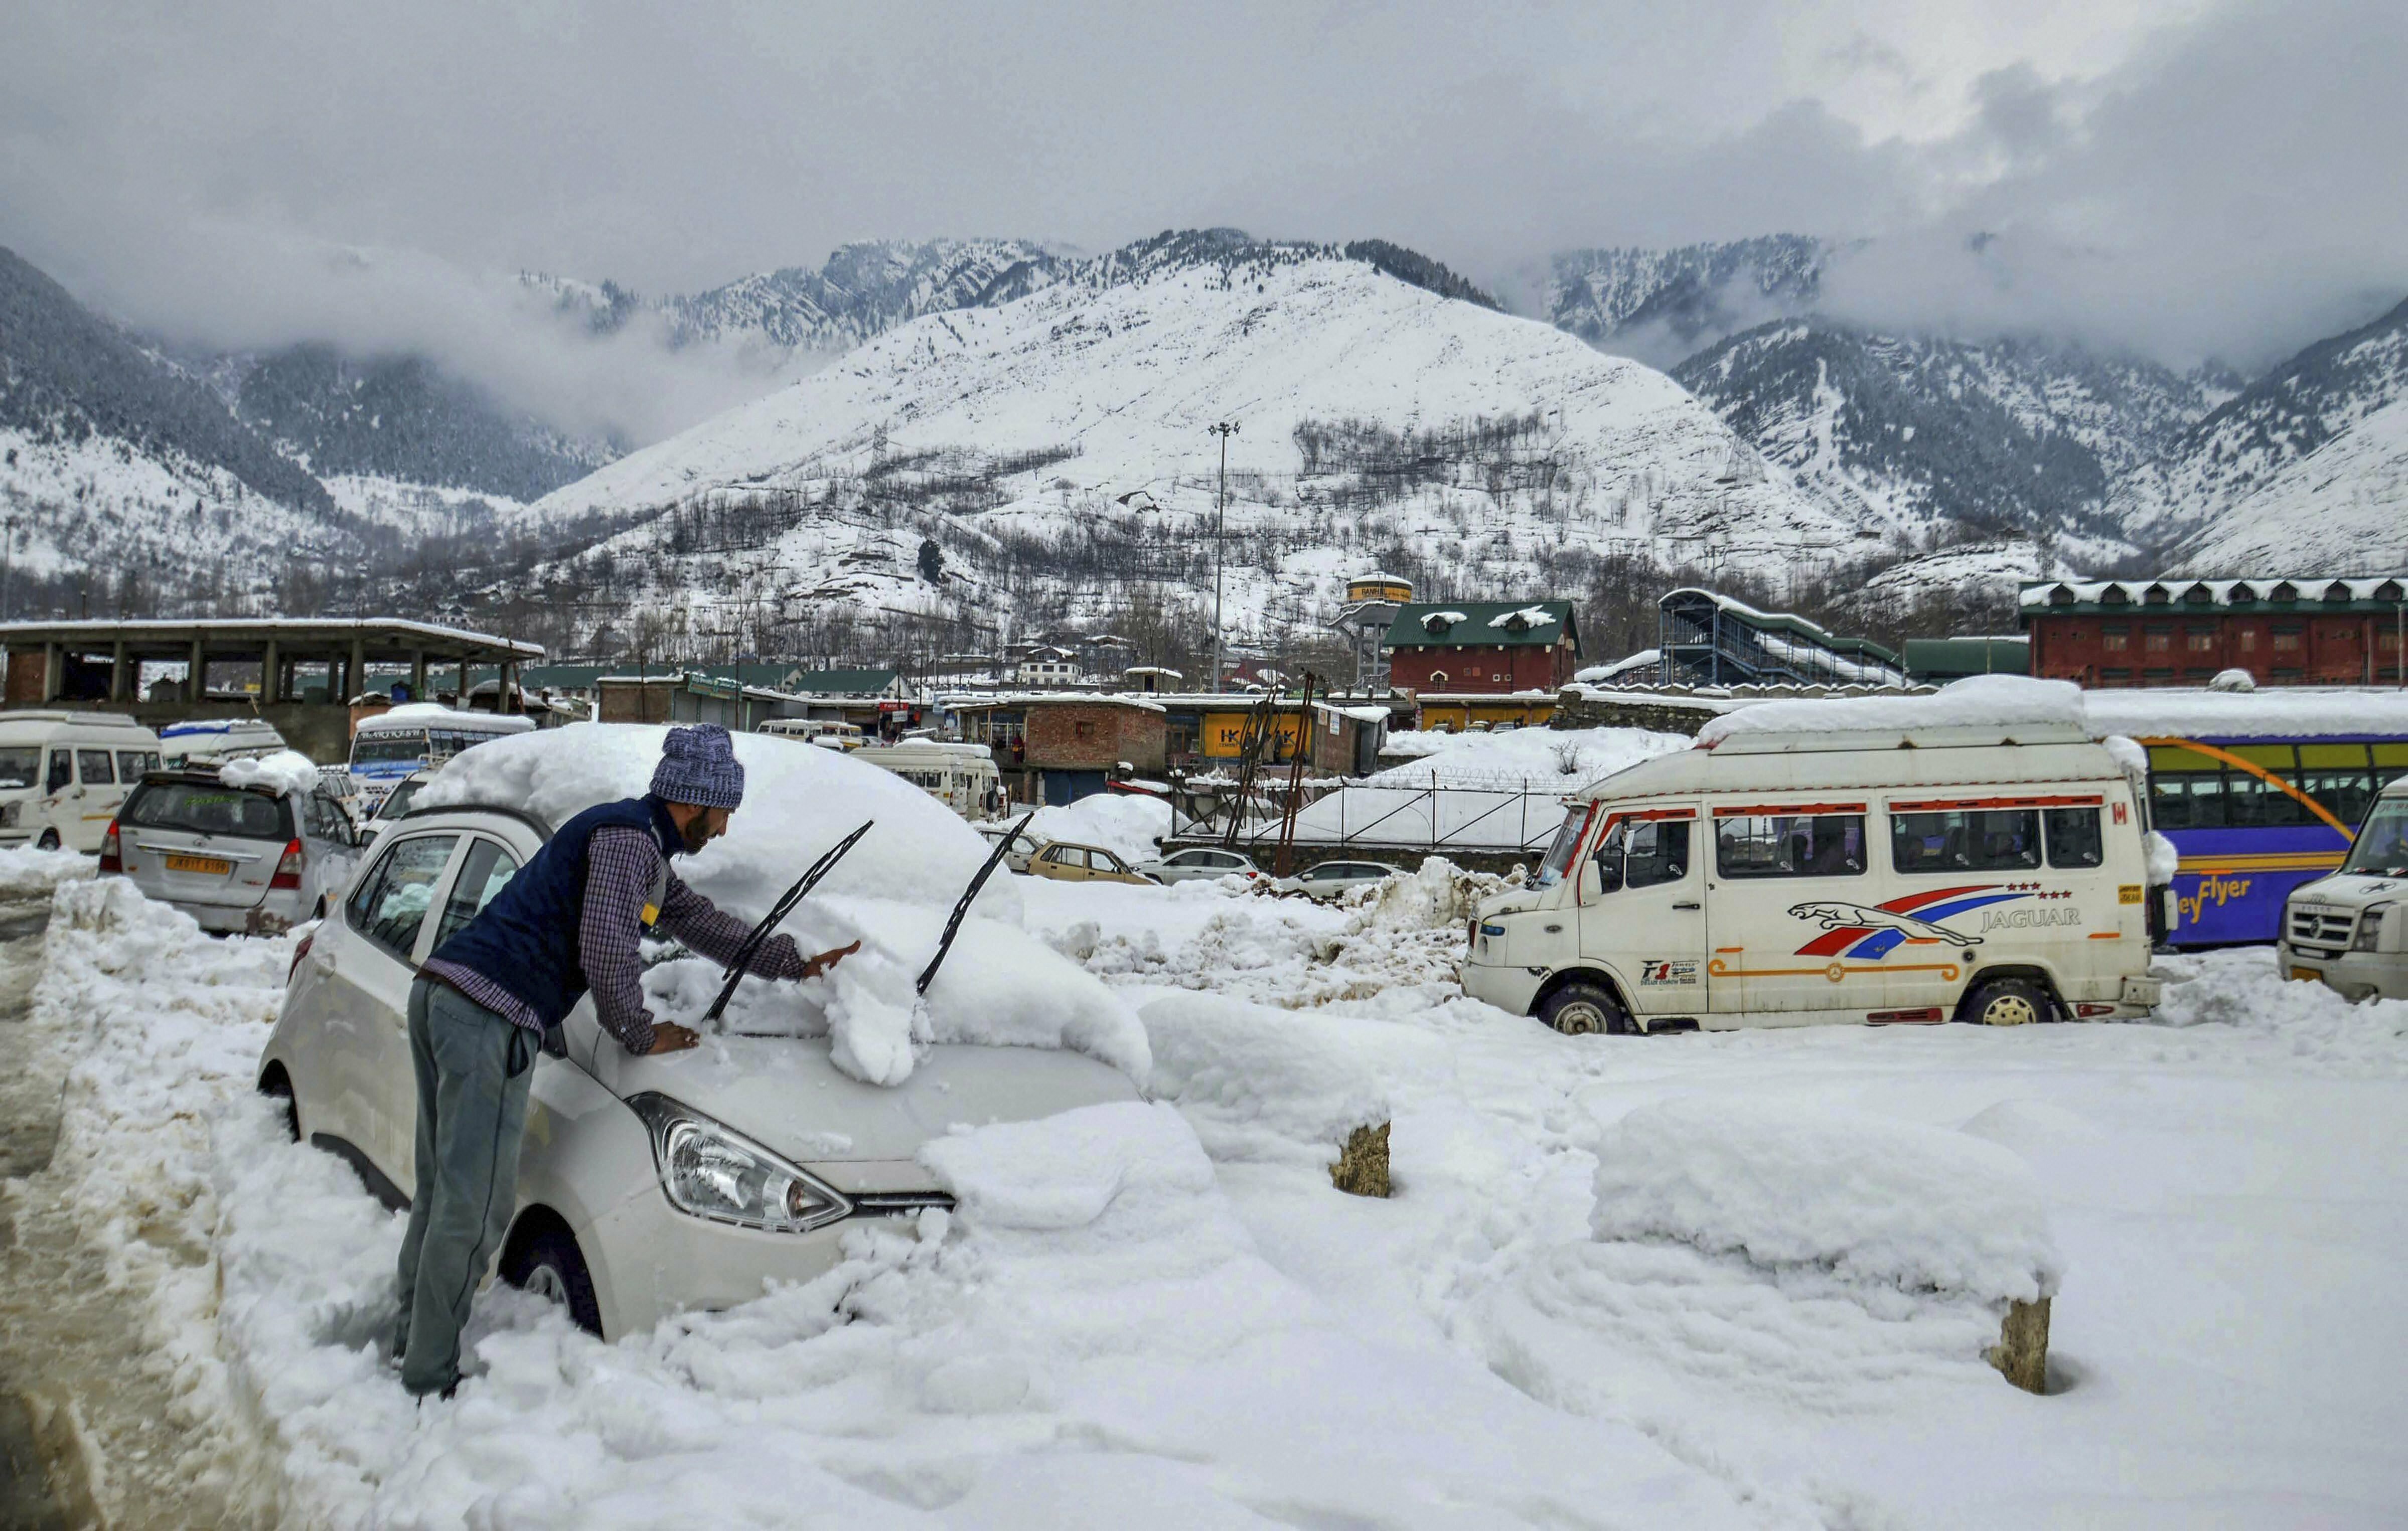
x,y
1125,823
1000,986
286,771
1867,1199
1976,701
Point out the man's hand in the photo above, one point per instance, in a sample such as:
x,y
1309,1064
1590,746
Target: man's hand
x,y
826,960
668,1037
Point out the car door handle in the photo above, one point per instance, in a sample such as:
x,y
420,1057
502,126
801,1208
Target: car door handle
x,y
1687,904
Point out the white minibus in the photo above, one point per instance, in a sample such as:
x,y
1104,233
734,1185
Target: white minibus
x,y
963,777
388,747
817,730
63,775
199,742
1969,872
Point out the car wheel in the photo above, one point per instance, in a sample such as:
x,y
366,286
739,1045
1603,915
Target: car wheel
x,y
546,1262
2006,1002
50,840
1585,1010
279,1088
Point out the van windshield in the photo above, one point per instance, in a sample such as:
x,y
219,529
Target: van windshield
x,y
21,765
2382,848
1559,855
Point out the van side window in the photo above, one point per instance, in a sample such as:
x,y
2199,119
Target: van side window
x,y
1988,840
1609,857
1790,845
1659,853
94,767
2073,838
61,772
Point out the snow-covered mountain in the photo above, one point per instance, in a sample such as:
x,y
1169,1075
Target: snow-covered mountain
x,y
2201,496
124,473
1913,432
1664,305
2342,508
402,420
1052,448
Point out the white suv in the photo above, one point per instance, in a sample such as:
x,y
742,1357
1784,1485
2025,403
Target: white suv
x,y
646,1185
2350,930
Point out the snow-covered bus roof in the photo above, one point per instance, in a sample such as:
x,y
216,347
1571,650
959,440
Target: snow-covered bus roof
x,y
2286,712
414,715
2013,704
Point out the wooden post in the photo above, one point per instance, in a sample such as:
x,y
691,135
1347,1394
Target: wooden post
x,y
1362,1167
2021,1354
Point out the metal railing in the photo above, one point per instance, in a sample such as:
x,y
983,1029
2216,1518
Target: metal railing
x,y
1413,816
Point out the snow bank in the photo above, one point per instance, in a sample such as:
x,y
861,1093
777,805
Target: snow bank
x,y
1871,1200
2243,989
26,872
1543,757
1264,1084
1125,823
1094,1286
893,892
1978,700
286,771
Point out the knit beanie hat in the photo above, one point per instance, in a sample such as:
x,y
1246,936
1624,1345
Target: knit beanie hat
x,y
698,766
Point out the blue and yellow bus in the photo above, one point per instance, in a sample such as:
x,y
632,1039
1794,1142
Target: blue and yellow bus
x,y
2258,793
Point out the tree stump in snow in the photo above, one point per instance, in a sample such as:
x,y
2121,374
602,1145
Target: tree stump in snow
x,y
1362,1167
2022,1351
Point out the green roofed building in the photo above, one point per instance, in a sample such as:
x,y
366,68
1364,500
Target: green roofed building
x,y
1483,647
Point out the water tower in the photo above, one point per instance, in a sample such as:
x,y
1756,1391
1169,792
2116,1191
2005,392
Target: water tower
x,y
1371,603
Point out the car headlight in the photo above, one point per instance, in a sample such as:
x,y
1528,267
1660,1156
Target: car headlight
x,y
710,1171
2370,925
8,813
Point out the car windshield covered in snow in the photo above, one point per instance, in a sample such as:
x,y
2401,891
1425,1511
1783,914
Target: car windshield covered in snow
x,y
20,766
202,809
2382,848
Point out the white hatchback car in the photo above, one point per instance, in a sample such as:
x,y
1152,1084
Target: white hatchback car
x,y
646,1185
1333,880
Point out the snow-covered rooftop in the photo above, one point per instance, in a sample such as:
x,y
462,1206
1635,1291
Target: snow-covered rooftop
x,y
2178,592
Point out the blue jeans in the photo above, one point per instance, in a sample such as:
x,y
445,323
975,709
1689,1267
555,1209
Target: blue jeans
x,y
473,1070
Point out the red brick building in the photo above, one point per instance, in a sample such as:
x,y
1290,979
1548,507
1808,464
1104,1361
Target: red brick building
x,y
1059,747
2182,632
1485,647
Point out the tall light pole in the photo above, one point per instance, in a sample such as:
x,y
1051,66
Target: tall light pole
x,y
1224,429
7,556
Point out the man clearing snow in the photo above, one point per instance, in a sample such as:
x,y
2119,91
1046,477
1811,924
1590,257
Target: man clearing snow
x,y
569,921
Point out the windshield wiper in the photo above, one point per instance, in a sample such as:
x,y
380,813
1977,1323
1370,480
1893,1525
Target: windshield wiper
x,y
962,906
777,912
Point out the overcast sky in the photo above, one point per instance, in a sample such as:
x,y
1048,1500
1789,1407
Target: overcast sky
x,y
2188,177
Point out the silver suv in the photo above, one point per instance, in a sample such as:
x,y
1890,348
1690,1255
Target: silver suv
x,y
646,1185
253,859
2349,931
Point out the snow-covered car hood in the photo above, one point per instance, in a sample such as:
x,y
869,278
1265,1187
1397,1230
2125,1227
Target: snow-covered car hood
x,y
784,1093
2351,891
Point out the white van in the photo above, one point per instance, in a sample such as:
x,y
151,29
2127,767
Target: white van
x,y
203,743
840,735
1783,878
963,777
63,775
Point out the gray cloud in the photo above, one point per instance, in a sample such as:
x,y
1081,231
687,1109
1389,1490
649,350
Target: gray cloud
x,y
247,173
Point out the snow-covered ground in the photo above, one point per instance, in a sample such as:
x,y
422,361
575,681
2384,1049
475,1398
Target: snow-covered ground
x,y
1694,1281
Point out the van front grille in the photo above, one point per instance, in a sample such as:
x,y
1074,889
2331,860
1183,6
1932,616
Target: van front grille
x,y
2321,928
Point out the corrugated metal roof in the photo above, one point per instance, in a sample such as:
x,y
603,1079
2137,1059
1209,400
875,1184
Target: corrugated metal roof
x,y
1480,625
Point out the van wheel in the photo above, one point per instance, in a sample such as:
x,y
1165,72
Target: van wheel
x,y
1584,1009
545,1261
50,840
2006,1002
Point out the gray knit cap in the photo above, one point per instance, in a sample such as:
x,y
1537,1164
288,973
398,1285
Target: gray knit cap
x,y
698,766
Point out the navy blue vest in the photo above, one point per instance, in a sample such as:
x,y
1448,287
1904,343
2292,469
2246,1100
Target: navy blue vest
x,y
525,940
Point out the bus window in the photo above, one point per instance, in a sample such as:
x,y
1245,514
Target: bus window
x,y
1789,845
2186,799
1985,840
2337,777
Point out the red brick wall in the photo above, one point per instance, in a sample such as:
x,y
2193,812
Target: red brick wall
x,y
1484,667
1094,737
2174,646
25,674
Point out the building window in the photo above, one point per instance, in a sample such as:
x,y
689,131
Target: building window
x,y
1084,728
2115,638
2115,677
2201,640
2249,641
2159,639
2286,641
